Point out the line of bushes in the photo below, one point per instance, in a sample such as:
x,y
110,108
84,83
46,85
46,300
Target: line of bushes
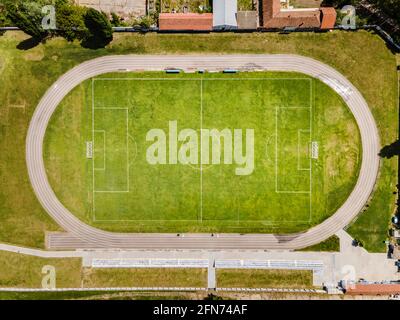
x,y
95,29
73,22
382,13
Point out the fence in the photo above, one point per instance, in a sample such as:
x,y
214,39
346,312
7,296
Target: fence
x,y
175,289
384,35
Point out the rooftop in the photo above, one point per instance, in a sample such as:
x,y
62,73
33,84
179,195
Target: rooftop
x,y
274,16
328,18
374,289
247,19
225,13
186,21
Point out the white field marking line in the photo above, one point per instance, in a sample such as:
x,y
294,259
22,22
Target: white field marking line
x,y
147,79
110,108
151,220
196,79
268,142
202,79
93,186
312,103
93,168
127,149
267,222
136,150
298,149
201,150
17,107
111,191
276,152
289,191
94,191
104,150
276,149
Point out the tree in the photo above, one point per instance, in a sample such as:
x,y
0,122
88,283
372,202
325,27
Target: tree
x,y
390,7
144,22
70,21
339,3
100,31
115,20
4,21
27,15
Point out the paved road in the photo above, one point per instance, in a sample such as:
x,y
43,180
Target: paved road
x,y
335,265
80,235
42,253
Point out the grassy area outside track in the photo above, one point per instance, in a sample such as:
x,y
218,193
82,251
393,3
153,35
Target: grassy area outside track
x,y
26,74
257,278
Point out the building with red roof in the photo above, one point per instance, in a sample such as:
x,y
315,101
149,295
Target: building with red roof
x,y
185,21
275,17
373,289
328,17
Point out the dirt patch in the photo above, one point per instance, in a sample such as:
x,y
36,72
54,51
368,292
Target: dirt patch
x,y
35,54
333,115
341,157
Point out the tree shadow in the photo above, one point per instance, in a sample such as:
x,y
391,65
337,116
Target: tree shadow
x,y
336,3
390,150
94,43
28,44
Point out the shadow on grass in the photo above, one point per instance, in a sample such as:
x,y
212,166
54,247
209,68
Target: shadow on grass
x,y
28,44
95,43
390,150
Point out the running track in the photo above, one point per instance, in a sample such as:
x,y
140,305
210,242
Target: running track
x,y
80,235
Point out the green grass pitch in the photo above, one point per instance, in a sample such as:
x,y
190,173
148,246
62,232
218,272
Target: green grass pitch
x,y
118,189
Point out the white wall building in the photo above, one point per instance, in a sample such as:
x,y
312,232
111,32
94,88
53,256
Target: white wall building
x,y
225,14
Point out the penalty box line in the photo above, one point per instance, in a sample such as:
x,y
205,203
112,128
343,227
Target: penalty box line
x,y
104,150
94,191
310,130
105,155
299,132
277,190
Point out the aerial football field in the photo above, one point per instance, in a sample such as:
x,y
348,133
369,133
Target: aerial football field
x,y
213,152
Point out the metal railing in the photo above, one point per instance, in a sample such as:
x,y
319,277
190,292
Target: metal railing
x,y
383,34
